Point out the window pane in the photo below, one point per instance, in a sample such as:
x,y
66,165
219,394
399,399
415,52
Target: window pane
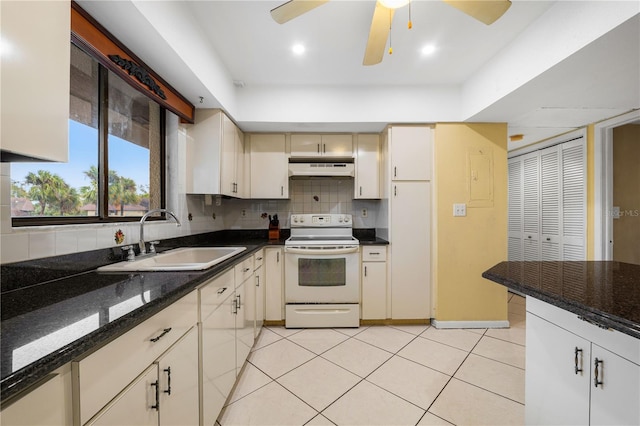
x,y
65,189
134,140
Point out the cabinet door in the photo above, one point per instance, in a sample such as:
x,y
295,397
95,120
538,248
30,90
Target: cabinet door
x,y
218,345
374,290
550,187
178,370
367,181
337,146
228,158
40,70
410,250
555,393
240,190
615,401
244,322
531,207
260,294
303,145
574,200
274,307
411,152
136,405
269,167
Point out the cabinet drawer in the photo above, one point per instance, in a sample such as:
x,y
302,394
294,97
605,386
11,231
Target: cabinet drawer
x,y
258,259
374,254
214,293
244,270
100,376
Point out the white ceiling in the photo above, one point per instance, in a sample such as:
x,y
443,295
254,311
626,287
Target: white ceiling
x,y
545,67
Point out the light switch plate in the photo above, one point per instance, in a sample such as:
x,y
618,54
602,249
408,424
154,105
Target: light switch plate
x,y
460,209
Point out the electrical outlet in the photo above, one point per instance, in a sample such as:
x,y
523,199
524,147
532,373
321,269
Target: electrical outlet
x,y
365,213
459,209
244,212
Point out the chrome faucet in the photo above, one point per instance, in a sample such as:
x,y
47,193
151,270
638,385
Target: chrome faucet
x,y
141,244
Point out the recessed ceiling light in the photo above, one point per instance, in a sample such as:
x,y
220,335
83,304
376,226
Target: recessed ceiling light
x,y
298,49
429,49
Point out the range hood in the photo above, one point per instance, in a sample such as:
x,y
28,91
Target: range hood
x,y
320,169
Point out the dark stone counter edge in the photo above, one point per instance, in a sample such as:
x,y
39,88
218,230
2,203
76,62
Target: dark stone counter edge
x,y
14,384
587,312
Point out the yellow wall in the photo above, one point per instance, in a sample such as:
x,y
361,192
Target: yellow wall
x,y
465,247
626,193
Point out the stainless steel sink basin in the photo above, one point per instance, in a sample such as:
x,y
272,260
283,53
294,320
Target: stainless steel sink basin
x,y
182,259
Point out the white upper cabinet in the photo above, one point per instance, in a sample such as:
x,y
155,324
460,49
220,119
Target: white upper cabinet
x,y
367,182
215,155
306,145
269,170
411,154
35,79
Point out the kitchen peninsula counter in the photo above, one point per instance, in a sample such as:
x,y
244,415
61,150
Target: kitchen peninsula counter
x,y
605,293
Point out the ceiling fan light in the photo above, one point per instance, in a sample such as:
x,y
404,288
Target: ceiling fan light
x,y
393,4
429,49
298,49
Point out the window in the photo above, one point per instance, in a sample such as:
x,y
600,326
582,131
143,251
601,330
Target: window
x,y
115,168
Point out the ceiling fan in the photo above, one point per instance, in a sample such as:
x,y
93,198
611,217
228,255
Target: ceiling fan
x,y
486,11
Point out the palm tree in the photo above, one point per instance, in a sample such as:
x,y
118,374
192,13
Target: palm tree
x,y
42,188
121,192
89,193
66,197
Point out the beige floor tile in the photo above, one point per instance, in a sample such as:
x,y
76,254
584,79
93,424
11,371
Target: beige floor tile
x,y
458,338
367,404
358,357
319,420
319,382
517,308
476,330
494,376
279,358
270,405
430,419
285,332
499,350
265,338
513,334
518,299
387,338
429,353
414,382
318,340
413,329
351,331
249,381
517,320
464,404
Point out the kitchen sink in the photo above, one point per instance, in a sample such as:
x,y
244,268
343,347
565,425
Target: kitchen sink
x,y
182,259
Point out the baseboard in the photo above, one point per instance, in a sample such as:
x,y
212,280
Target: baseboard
x,y
389,321
470,324
274,323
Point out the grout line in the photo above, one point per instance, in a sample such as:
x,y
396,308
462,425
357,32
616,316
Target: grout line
x,y
488,390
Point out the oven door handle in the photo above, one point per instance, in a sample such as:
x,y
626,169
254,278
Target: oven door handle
x,y
345,250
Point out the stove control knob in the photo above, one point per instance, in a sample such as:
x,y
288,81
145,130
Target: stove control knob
x,y
340,219
295,219
302,219
346,219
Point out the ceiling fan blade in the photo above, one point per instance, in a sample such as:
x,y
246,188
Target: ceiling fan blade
x,y
294,8
486,11
378,34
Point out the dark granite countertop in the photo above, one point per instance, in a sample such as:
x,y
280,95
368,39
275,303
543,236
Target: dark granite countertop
x,y
53,310
605,292
56,309
367,237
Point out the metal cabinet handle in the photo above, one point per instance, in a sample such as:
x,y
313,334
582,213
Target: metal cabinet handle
x,y
395,171
161,335
318,148
239,302
576,369
168,371
259,258
395,191
376,253
365,271
278,257
156,385
281,191
360,191
246,269
222,290
529,236
257,280
596,373
324,148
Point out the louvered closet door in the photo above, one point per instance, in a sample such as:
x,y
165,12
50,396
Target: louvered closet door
x,y
574,200
550,192
514,227
531,206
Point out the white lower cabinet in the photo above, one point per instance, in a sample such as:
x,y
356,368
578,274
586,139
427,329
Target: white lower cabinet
x,y
374,282
166,393
571,379
49,403
274,289
258,277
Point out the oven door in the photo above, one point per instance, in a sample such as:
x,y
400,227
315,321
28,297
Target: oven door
x,y
322,274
